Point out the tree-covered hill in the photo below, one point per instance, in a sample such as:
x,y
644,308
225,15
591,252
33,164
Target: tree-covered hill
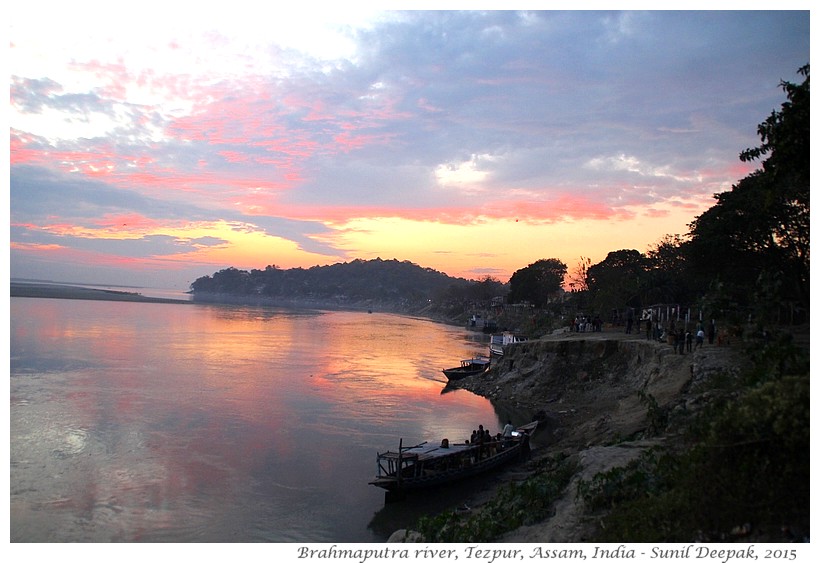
x,y
388,284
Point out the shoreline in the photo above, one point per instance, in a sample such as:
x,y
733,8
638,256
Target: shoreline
x,y
60,291
55,290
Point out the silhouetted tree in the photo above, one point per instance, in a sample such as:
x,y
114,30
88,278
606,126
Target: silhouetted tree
x,y
537,282
616,282
668,277
761,226
578,280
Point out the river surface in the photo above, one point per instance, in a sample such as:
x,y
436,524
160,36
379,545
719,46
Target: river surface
x,y
142,422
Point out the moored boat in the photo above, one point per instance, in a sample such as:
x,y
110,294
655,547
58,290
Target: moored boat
x,y
499,341
429,465
473,366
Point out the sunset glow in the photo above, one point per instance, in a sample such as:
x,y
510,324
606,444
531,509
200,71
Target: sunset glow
x,y
474,143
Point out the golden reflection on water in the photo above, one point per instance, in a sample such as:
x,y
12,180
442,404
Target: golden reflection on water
x,y
144,422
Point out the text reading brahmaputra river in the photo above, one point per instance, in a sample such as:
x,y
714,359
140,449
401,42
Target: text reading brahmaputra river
x,y
485,554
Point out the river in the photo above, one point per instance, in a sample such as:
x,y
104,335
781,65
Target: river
x,y
143,422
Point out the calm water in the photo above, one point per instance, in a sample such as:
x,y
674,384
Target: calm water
x,y
135,422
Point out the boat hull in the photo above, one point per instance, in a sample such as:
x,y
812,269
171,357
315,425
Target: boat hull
x,y
455,374
466,369
446,477
413,469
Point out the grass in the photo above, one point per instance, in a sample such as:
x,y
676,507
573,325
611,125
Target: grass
x,y
516,504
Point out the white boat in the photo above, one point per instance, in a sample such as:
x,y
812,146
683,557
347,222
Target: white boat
x,y
499,341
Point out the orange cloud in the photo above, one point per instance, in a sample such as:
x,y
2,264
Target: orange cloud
x,y
36,247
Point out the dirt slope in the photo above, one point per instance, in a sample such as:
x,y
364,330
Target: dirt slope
x,y
596,394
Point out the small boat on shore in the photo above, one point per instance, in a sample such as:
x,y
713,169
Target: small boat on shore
x,y
429,465
473,366
499,341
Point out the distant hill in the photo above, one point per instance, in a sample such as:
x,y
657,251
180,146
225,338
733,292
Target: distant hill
x,y
386,284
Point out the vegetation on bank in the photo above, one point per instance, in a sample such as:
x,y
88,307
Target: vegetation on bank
x,y
739,471
384,285
352,282
517,504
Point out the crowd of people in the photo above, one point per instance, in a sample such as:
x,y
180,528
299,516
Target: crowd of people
x,y
583,323
488,443
682,339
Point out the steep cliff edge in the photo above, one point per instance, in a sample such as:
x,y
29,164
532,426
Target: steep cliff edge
x,y
595,388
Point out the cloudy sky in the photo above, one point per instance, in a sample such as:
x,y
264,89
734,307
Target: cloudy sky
x,y
154,145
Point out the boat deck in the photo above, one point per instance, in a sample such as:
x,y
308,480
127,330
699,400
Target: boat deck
x,y
428,451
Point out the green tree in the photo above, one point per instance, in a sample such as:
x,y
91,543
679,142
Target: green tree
x,y
537,282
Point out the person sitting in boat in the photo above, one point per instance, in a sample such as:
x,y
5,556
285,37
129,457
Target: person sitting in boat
x,y
480,439
494,443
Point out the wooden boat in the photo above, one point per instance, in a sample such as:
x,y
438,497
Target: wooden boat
x,y
473,366
429,465
499,341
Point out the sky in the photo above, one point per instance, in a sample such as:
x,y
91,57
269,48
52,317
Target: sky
x,y
154,144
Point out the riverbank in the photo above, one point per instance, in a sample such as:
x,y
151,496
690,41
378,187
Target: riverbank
x,y
599,397
61,291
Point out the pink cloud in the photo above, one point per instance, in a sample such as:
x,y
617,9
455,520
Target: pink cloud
x,y
23,149
131,221
232,156
73,255
552,208
348,142
57,253
36,247
655,212
235,119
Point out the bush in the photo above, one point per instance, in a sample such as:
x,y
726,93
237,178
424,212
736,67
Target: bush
x,y
515,505
746,468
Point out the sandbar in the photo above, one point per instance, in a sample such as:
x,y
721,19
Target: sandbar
x,y
61,291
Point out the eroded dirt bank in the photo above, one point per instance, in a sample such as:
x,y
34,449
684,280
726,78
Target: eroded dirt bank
x,y
596,394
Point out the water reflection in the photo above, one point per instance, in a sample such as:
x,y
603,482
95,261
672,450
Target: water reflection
x,y
156,422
